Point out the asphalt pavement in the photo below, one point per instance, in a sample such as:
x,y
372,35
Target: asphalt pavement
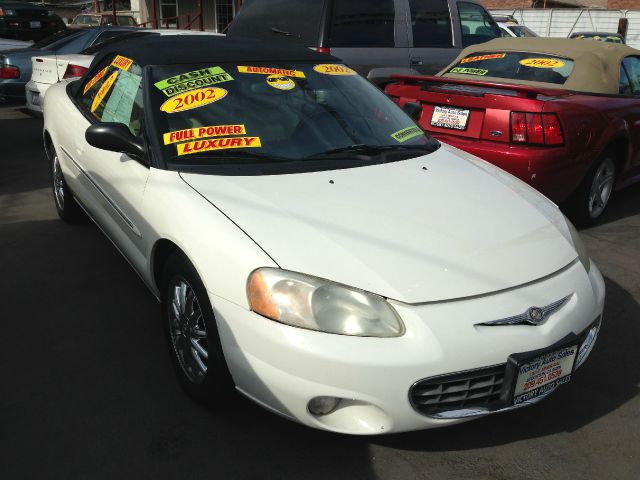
x,y
87,390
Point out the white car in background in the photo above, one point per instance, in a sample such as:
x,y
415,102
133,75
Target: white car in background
x,y
513,29
50,69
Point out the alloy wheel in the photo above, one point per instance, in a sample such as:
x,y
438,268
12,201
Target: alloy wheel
x,y
58,183
601,187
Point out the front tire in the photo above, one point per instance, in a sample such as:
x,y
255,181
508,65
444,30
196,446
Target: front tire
x,y
192,334
591,198
68,209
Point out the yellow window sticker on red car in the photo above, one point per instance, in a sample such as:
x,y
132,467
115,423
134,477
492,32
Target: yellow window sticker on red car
x,y
193,99
200,146
203,132
104,89
406,134
334,69
193,80
271,71
123,63
477,58
542,63
469,71
281,82
94,80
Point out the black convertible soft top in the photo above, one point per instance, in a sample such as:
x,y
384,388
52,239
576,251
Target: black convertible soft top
x,y
188,49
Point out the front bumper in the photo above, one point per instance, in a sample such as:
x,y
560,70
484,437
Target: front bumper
x,y
283,368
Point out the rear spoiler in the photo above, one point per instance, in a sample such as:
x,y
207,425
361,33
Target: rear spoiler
x,y
526,91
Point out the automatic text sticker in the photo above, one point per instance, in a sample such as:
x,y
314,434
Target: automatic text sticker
x,y
271,71
193,80
334,69
542,63
93,81
104,89
200,146
123,63
203,132
193,99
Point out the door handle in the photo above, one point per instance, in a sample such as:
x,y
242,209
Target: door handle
x,y
416,61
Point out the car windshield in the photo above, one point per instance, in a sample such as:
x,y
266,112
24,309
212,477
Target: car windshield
x,y
53,41
533,67
269,113
521,31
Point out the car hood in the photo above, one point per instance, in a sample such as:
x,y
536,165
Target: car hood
x,y
438,227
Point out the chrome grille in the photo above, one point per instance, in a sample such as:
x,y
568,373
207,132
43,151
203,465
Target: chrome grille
x,y
473,388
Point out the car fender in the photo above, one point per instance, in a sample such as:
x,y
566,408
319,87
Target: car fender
x,y
222,253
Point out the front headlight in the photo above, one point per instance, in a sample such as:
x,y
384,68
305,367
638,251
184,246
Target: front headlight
x,y
583,254
316,304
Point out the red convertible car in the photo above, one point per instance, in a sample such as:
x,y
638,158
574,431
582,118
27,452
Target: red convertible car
x,y
563,116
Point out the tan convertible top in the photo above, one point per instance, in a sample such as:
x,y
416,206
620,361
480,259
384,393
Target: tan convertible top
x,y
596,68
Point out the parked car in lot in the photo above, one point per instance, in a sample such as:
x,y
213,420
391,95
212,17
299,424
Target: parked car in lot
x,y
88,20
562,115
600,36
377,39
49,69
27,21
15,65
311,246
513,29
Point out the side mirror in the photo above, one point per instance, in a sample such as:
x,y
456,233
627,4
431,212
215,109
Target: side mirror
x,y
114,137
413,109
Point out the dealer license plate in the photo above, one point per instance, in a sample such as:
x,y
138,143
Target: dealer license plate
x,y
544,373
450,117
35,24
35,98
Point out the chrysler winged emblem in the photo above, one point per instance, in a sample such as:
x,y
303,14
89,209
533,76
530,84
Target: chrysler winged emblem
x,y
533,316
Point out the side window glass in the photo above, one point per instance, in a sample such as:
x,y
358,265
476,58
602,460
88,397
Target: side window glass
x,y
625,85
431,23
362,24
114,93
632,67
476,24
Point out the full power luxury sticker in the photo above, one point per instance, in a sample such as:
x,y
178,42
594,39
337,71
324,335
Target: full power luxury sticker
x,y
193,99
406,133
104,89
203,132
193,80
271,71
123,63
334,69
542,63
477,58
94,80
200,146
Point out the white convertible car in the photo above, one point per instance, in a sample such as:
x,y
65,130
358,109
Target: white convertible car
x,y
311,246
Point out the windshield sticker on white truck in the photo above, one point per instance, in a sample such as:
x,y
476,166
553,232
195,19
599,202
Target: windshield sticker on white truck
x,y
203,132
200,146
193,80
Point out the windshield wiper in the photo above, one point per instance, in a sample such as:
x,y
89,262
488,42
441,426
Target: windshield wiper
x,y
226,157
373,149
